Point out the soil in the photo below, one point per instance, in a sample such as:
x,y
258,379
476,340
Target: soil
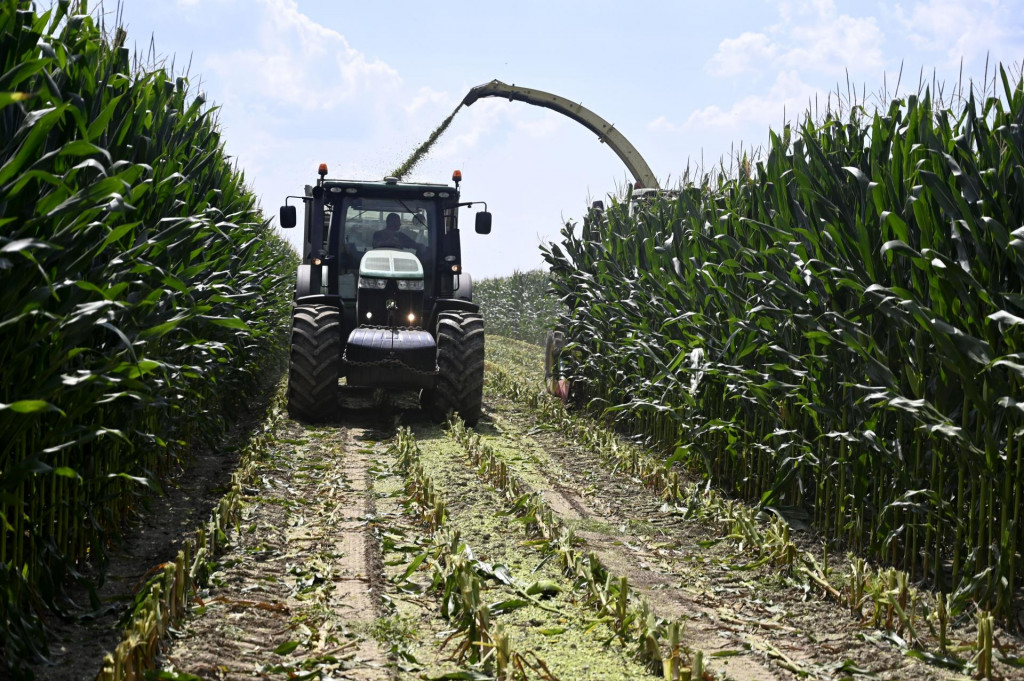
x,y
299,587
328,574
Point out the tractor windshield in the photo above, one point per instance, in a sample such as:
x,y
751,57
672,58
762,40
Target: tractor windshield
x,y
361,224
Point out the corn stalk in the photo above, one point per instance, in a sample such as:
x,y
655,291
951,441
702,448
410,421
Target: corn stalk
x,y
143,297
838,327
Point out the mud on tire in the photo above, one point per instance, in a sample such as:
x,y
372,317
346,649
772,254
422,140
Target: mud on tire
x,y
460,361
315,363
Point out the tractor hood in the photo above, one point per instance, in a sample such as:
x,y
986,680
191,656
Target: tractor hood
x,y
387,263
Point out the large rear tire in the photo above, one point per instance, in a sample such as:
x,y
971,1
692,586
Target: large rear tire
x,y
315,363
460,363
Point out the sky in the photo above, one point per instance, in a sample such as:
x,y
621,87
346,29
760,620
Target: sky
x,y
358,85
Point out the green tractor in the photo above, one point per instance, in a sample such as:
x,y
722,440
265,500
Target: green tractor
x,y
381,300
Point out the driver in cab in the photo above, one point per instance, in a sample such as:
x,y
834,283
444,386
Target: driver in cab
x,y
392,235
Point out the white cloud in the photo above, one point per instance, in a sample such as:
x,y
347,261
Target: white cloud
x,y
781,66
811,35
300,62
428,98
663,124
964,29
745,53
834,44
788,93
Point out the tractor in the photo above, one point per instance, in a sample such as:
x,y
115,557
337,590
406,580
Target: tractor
x,y
381,300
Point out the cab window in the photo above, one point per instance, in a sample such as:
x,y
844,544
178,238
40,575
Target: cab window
x,y
356,222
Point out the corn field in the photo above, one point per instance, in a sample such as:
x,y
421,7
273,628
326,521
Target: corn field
x,y
143,296
518,306
836,328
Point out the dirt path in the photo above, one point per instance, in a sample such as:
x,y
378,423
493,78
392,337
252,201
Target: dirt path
x,y
558,627
299,587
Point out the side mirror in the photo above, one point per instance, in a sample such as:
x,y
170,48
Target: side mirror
x,y
483,222
287,217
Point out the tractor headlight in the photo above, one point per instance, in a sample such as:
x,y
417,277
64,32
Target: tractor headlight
x,y
410,284
372,282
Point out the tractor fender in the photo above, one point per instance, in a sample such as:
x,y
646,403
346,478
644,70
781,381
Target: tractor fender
x,y
454,305
304,282
319,299
464,291
450,305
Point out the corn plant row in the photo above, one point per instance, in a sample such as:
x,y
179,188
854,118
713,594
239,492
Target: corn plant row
x,y
144,296
837,326
893,605
655,641
655,474
518,306
456,577
164,599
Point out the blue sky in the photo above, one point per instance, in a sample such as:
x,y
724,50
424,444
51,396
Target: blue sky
x,y
358,85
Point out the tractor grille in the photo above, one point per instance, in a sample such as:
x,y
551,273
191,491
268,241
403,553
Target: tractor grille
x,y
388,263
380,264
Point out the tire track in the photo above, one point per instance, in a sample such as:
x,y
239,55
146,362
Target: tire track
x,y
297,590
761,630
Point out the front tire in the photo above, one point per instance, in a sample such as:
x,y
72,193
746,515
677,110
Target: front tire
x,y
315,363
460,363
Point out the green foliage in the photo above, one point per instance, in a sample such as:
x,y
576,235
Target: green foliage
x,y
839,327
144,296
520,306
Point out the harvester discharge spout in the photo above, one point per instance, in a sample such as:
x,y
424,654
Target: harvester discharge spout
x,y
604,130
